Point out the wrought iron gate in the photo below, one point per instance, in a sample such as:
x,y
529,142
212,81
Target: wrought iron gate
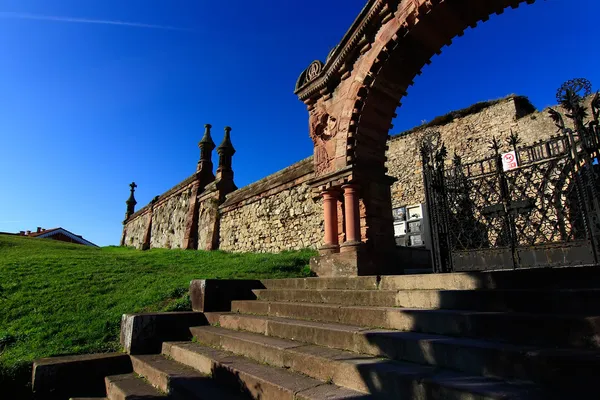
x,y
533,206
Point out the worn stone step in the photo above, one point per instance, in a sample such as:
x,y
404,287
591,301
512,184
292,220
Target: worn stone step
x,y
538,278
348,283
544,301
130,387
258,381
476,357
179,380
519,328
88,398
331,296
568,301
360,372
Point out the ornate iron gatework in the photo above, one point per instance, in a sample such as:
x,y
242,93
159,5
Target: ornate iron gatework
x,y
531,206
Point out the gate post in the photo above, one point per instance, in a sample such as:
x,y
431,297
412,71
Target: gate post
x,y
434,184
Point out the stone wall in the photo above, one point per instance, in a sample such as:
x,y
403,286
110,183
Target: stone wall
x,y
467,133
169,220
135,230
167,214
274,214
279,212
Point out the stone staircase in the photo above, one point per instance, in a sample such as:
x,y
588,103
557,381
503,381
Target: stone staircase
x,y
505,335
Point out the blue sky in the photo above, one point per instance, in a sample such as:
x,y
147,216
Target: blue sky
x,y
95,94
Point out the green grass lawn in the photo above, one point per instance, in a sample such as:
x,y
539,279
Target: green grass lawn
x,y
58,298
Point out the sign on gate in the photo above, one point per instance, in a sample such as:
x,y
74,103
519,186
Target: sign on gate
x,y
509,161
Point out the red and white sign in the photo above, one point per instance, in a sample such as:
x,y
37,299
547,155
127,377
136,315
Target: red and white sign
x,y
509,160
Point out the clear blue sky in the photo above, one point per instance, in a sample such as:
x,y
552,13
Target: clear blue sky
x,y
85,108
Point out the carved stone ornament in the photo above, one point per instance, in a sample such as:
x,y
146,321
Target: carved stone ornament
x,y
309,74
323,128
323,125
313,70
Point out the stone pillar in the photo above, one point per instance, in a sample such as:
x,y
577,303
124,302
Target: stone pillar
x,y
330,222
214,195
204,176
190,240
131,202
352,217
226,152
205,165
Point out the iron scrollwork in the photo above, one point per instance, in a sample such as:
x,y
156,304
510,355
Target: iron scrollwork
x,y
542,211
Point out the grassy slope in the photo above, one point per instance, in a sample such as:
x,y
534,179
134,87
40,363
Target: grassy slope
x,y
58,298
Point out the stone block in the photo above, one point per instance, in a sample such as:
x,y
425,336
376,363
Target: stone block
x,y
144,333
76,376
355,261
209,295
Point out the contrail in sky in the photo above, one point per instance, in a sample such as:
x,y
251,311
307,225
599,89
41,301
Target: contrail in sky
x,y
16,15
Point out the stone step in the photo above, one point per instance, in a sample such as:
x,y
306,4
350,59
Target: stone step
x,y
180,381
475,357
130,387
258,381
360,372
537,278
348,283
519,328
331,296
568,301
88,398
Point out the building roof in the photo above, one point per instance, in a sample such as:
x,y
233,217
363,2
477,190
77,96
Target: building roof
x,y
47,233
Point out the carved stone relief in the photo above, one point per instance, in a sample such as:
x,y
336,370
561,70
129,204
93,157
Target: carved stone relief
x,y
323,128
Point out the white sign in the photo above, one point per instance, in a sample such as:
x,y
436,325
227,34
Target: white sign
x,y
399,229
509,161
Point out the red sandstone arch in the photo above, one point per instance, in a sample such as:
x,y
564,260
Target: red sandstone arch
x,y
353,97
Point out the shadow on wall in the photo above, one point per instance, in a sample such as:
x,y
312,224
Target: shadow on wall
x,y
528,335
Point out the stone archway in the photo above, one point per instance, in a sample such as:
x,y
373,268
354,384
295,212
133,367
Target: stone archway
x,y
352,99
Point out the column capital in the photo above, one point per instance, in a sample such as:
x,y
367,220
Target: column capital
x,y
350,187
330,194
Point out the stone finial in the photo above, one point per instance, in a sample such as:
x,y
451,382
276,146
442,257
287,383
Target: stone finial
x,y
225,151
226,147
206,142
206,146
131,201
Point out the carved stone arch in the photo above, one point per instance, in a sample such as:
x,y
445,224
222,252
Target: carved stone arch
x,y
361,86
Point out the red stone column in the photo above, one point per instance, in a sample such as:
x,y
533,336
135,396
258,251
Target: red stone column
x,y
352,215
331,222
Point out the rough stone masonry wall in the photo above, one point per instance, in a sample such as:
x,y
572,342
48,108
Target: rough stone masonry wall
x,y
274,214
169,220
467,132
135,230
168,212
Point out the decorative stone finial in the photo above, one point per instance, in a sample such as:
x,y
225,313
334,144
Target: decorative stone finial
x,y
206,146
131,202
226,147
225,151
207,139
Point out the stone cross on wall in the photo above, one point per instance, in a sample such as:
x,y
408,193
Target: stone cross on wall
x,y
131,202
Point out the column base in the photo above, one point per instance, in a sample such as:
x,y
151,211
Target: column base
x,y
347,247
357,259
350,261
327,250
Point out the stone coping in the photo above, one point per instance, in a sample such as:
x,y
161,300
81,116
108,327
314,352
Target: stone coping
x,y
271,182
524,107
